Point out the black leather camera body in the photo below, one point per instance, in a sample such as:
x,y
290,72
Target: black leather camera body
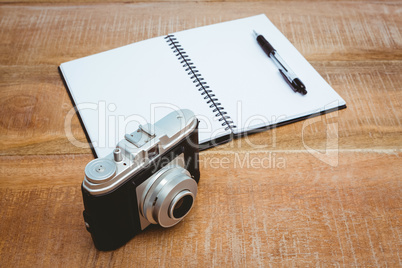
x,y
150,178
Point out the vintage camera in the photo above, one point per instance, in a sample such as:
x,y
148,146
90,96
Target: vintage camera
x,y
150,178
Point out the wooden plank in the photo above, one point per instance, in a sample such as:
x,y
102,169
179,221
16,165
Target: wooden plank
x,y
35,104
32,2
77,2
35,109
52,34
305,213
323,192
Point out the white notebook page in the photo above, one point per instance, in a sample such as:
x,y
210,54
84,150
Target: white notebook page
x,y
244,78
117,90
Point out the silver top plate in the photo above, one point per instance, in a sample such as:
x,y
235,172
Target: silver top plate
x,y
137,150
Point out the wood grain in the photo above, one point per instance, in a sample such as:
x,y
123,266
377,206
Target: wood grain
x,y
322,192
244,216
52,34
328,38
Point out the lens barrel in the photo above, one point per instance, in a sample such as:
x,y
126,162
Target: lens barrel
x,y
168,197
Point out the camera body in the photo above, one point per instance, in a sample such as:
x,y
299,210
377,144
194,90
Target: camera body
x,y
150,178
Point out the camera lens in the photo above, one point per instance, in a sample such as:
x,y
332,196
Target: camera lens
x,y
168,197
181,205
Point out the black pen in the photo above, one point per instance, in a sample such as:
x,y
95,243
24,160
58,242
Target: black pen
x,y
290,77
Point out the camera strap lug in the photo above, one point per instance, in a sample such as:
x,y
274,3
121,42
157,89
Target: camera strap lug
x,y
87,221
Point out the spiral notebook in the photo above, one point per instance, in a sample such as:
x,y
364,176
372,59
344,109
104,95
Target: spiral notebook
x,y
218,71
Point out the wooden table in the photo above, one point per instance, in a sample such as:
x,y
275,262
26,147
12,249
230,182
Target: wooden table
x,y
326,192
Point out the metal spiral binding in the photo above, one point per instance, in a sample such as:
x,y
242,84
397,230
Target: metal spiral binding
x,y
200,84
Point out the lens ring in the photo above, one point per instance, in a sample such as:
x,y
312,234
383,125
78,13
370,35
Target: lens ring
x,y
181,205
165,197
151,193
149,189
157,201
